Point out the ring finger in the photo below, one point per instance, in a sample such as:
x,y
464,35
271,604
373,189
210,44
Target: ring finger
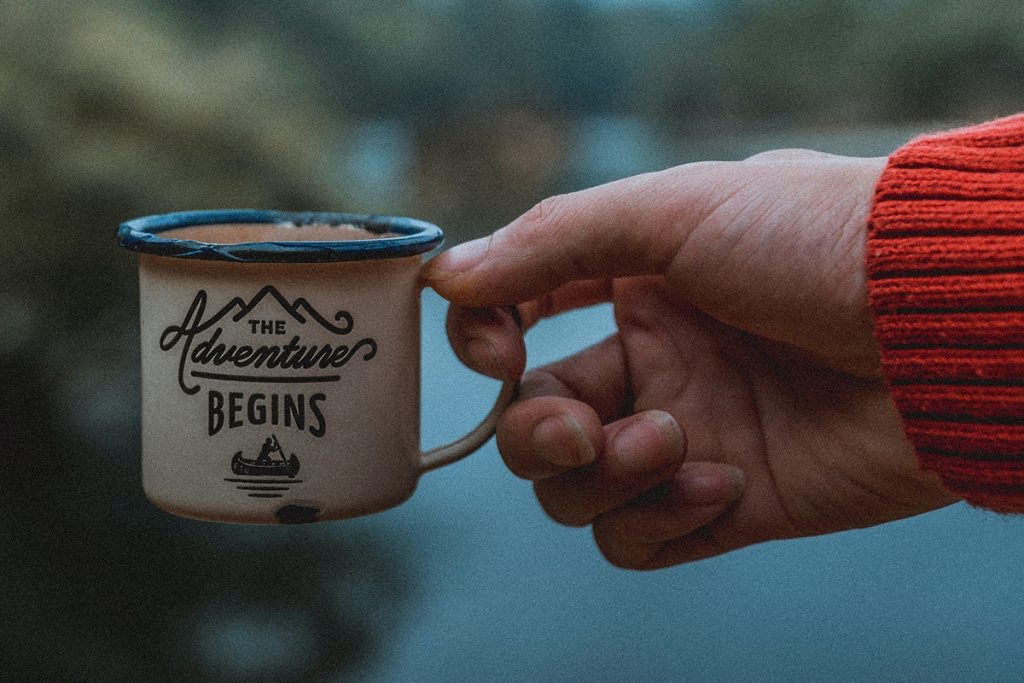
x,y
641,452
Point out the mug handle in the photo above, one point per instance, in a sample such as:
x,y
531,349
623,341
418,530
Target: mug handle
x,y
460,448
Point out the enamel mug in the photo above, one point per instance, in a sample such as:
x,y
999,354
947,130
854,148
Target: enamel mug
x,y
281,364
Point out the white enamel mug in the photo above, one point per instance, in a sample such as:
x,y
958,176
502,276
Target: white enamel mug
x,y
281,364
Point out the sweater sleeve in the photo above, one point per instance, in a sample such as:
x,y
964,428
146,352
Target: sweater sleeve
x,y
945,268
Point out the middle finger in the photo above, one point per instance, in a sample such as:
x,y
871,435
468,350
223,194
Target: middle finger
x,y
642,451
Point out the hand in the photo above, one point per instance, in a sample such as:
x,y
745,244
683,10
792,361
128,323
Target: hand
x,y
741,399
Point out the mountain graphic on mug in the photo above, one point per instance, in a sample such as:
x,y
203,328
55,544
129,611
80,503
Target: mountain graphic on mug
x,y
245,338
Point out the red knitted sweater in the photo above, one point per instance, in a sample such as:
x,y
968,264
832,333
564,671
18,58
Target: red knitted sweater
x,y
945,263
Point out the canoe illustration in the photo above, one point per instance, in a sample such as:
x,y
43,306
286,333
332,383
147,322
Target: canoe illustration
x,y
264,464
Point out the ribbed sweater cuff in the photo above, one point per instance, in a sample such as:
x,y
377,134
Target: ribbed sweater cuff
x,y
945,265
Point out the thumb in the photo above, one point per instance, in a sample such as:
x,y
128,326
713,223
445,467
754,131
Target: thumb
x,y
629,227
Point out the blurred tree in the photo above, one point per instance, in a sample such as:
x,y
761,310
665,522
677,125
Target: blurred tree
x,y
836,63
959,60
703,67
107,112
477,170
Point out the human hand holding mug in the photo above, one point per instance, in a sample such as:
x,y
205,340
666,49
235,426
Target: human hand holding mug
x,y
281,364
741,398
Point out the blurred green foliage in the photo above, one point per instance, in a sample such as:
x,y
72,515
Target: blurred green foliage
x,y
106,112
695,63
110,110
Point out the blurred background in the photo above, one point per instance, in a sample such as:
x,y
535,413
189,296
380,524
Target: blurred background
x,y
464,113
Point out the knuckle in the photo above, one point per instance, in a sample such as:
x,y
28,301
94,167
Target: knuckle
x,y
517,464
545,214
560,506
787,154
540,382
613,547
545,304
461,323
511,445
516,446
688,179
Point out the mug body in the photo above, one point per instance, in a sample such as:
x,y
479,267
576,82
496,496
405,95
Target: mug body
x,y
279,392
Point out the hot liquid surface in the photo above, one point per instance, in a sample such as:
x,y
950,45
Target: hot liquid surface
x,y
237,233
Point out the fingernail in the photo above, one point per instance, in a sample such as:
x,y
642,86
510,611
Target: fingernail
x,y
738,477
560,440
463,256
483,352
639,448
710,485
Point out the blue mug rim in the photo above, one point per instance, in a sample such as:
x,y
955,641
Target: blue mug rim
x,y
415,237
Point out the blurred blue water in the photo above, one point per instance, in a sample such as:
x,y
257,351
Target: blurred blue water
x,y
506,595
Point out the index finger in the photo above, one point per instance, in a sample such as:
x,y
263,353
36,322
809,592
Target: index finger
x,y
632,226
487,339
